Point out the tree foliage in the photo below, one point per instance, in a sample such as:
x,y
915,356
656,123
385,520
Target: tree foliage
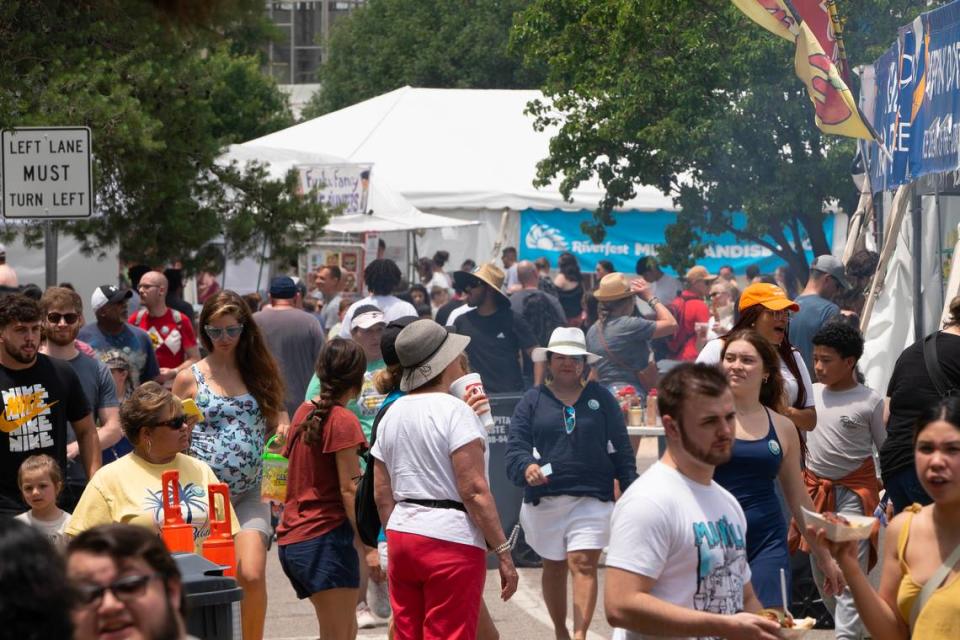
x,y
386,44
696,99
164,86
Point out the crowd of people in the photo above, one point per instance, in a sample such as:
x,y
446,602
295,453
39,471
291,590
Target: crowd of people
x,y
754,381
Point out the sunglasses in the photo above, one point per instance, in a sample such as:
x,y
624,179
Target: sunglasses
x,y
68,318
215,333
471,284
124,589
569,419
173,423
783,314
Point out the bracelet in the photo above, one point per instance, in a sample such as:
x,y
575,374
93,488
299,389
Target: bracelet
x,y
510,542
654,301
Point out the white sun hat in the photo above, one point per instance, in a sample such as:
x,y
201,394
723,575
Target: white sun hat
x,y
567,341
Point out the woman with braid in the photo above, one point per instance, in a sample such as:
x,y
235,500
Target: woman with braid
x,y
317,530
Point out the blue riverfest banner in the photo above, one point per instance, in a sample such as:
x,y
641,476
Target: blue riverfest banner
x,y
911,95
547,234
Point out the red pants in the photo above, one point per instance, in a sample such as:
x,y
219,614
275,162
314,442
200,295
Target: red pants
x,y
435,587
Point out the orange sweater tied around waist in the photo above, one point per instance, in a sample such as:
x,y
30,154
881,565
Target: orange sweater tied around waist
x,y
862,481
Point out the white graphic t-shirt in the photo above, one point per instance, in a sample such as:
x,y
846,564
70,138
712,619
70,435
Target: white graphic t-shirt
x,y
689,537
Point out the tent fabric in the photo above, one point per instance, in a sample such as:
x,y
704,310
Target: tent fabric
x,y
466,149
388,210
891,324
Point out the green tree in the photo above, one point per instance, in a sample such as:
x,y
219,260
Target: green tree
x,y
163,88
386,44
696,99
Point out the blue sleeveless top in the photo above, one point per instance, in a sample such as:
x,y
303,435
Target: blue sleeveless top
x,y
231,436
751,477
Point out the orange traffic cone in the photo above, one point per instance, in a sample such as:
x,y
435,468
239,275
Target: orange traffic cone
x,y
218,547
176,534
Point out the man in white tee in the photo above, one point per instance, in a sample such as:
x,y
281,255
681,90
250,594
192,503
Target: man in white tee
x,y
677,563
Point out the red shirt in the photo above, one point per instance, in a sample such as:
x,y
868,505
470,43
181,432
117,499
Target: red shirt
x,y
694,310
170,339
314,505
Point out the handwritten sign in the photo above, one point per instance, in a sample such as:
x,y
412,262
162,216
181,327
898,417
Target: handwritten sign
x,y
46,173
338,185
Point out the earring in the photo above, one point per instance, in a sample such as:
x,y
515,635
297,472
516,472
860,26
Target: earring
x,y
765,378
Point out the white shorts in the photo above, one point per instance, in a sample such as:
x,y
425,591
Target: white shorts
x,y
561,524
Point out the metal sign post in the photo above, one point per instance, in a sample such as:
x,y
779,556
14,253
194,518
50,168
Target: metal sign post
x,y
46,175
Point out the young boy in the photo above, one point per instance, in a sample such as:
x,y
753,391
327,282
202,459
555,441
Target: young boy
x,y
840,448
41,481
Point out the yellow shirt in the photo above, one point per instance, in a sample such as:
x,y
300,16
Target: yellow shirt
x,y
130,491
940,617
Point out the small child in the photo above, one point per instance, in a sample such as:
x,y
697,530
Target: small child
x,y
41,480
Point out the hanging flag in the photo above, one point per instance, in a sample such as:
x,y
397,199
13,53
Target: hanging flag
x,y
772,15
816,15
836,110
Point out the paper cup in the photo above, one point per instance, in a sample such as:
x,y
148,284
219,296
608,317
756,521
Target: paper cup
x,y
469,386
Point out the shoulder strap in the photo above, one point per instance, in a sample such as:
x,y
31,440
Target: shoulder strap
x,y
139,317
610,354
932,362
933,584
177,317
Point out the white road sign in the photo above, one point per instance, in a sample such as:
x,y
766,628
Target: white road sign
x,y
46,173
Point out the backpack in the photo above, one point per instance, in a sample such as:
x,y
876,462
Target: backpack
x,y
365,507
676,342
541,316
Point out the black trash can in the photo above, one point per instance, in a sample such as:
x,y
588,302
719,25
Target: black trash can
x,y
213,600
507,495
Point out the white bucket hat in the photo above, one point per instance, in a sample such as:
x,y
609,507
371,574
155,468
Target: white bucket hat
x,y
567,341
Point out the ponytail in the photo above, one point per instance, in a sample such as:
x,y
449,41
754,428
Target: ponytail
x,y
340,368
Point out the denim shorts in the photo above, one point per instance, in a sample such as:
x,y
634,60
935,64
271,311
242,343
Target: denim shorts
x,y
326,562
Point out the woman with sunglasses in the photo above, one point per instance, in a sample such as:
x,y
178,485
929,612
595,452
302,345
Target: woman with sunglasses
x,y
239,389
130,490
566,444
766,309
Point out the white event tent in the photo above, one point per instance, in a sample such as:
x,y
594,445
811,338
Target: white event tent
x,y
464,153
387,210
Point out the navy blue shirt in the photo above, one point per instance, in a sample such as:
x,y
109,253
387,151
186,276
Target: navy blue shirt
x,y
585,461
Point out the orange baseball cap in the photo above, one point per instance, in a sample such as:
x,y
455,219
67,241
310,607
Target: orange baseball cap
x,y
769,295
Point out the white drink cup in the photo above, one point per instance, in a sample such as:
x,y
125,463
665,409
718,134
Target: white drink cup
x,y
469,386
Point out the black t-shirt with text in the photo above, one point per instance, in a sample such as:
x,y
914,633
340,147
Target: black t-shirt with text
x,y
495,345
37,403
911,392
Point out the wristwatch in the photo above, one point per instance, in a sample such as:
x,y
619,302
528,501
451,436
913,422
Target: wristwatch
x,y
654,301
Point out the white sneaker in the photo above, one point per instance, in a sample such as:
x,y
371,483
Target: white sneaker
x,y
379,599
365,619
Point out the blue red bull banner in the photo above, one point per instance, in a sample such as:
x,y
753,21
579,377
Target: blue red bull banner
x,y
547,234
911,95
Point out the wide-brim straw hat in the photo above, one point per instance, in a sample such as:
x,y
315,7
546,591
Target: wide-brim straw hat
x,y
567,341
613,286
487,273
425,349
